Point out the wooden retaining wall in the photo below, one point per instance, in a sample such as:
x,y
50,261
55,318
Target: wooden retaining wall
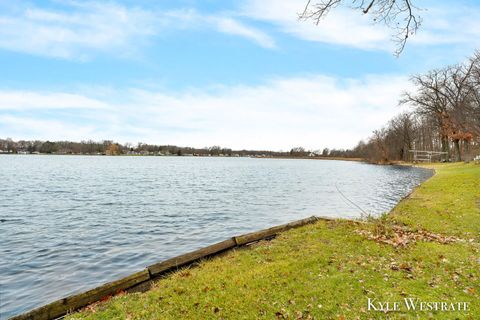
x,y
142,281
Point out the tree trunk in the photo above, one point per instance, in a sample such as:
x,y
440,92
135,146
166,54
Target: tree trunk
x,y
457,149
466,147
445,148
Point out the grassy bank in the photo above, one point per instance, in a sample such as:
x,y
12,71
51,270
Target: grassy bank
x,y
427,248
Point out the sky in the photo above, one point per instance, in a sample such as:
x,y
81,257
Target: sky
x,y
240,74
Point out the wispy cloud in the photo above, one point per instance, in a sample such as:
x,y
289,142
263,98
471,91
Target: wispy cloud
x,y
234,27
27,100
223,22
315,111
74,33
22,126
79,30
447,25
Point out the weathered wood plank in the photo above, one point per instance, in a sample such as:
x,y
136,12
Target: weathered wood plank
x,y
141,287
61,307
173,263
270,232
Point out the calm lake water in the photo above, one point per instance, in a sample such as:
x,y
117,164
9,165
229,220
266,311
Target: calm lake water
x,y
70,223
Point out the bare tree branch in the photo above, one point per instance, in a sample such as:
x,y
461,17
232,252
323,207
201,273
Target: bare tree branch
x,y
398,15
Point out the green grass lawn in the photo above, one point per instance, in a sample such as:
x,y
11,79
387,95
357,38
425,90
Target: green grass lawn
x,y
328,270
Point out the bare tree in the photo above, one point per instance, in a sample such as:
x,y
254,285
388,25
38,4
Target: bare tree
x,y
402,131
445,116
399,15
430,101
379,141
458,93
473,112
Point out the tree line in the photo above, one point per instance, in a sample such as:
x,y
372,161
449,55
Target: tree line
x,y
444,117
109,147
105,147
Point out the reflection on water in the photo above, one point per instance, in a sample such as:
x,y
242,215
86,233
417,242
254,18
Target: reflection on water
x,y
69,223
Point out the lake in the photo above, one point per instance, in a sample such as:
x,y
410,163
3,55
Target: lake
x,y
70,223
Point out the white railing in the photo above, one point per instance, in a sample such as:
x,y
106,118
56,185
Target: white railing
x,y
425,155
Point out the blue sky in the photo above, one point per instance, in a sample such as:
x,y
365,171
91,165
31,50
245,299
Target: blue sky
x,y
243,74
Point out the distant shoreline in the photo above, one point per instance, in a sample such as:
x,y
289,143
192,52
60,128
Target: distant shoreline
x,y
187,156
220,156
